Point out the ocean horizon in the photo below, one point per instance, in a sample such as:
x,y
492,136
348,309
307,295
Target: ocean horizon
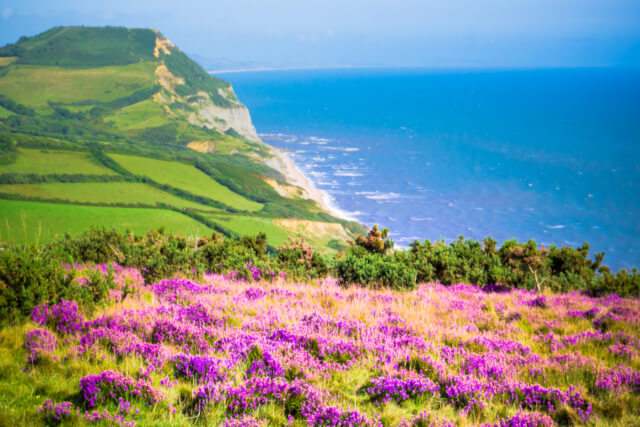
x,y
544,154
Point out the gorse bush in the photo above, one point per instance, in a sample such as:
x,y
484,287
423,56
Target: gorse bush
x,y
159,255
31,276
371,261
299,259
375,270
376,241
518,265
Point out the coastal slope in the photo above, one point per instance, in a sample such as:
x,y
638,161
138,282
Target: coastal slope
x,y
119,119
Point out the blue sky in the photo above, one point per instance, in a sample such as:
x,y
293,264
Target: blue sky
x,y
430,33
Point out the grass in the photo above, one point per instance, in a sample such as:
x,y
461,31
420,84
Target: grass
x,y
36,85
4,112
89,47
388,328
142,115
43,162
109,75
185,177
26,222
276,235
251,225
102,192
6,60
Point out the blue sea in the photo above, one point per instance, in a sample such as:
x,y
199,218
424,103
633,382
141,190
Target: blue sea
x,y
550,155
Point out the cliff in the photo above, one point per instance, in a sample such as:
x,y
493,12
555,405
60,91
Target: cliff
x,y
121,118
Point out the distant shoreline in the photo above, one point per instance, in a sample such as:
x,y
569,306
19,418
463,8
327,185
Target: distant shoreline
x,y
438,68
286,166
258,69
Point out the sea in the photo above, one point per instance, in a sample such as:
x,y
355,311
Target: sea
x,y
551,155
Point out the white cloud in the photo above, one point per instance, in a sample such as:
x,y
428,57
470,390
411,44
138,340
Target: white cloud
x,y
7,12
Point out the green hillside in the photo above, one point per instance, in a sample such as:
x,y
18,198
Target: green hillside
x,y
84,47
128,193
25,222
118,127
186,177
48,162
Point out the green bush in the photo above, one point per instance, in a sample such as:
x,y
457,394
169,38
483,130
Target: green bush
x,y
374,270
512,265
300,261
623,283
158,255
30,276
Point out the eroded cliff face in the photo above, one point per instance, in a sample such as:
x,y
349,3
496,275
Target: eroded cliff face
x,y
224,113
235,117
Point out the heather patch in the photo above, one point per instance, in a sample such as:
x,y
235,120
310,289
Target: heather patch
x,y
226,351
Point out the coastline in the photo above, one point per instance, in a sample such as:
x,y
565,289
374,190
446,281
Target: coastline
x,y
294,176
300,68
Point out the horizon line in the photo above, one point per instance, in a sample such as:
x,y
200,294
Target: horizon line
x,y
414,67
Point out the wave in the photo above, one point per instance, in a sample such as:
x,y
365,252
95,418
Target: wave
x,y
376,195
346,149
318,139
556,227
413,218
345,173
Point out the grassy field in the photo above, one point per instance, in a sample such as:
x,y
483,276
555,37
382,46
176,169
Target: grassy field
x,y
276,235
89,47
22,222
6,60
44,162
35,85
185,177
142,115
4,112
102,192
248,225
111,76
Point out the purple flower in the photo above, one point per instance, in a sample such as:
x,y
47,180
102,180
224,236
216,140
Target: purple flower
x,y
527,419
111,386
201,368
540,302
39,341
386,389
55,412
64,316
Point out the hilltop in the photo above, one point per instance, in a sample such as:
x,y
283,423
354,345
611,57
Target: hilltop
x,y
117,127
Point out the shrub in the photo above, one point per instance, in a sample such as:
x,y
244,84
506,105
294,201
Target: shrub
x,y
374,270
31,276
623,283
300,260
375,242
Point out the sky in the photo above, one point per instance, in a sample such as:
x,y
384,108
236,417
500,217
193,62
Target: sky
x,y
385,33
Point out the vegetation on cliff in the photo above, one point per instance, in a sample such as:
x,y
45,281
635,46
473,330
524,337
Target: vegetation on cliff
x,y
95,117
